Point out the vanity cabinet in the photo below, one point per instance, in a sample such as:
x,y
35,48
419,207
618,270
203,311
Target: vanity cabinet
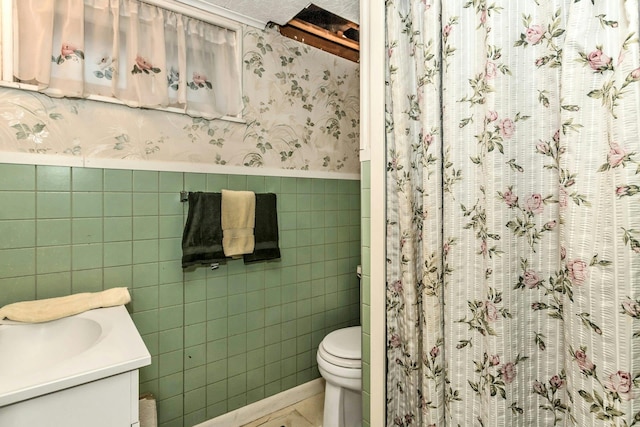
x,y
78,371
108,402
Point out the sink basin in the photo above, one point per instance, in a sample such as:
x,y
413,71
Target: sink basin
x,y
41,358
41,345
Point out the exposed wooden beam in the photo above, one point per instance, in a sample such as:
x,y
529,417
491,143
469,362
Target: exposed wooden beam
x,y
319,31
328,45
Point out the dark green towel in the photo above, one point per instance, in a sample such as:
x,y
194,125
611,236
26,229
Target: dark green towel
x,y
266,230
202,236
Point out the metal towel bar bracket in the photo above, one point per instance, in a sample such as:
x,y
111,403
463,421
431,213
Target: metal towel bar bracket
x,y
184,196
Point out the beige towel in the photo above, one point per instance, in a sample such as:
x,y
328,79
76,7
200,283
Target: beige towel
x,y
238,219
45,310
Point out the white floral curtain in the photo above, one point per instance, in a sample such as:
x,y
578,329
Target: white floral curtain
x,y
141,54
513,193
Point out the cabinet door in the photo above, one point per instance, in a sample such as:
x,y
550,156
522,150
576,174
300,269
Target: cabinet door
x,y
110,402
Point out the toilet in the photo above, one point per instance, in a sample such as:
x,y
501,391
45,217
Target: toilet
x,y
340,364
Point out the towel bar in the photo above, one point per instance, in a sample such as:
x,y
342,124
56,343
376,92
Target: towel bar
x,y
184,196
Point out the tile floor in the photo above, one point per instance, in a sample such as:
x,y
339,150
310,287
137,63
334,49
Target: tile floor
x,y
307,413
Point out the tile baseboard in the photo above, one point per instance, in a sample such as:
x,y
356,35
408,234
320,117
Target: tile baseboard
x,y
263,407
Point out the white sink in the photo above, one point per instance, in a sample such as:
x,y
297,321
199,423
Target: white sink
x,y
41,358
33,347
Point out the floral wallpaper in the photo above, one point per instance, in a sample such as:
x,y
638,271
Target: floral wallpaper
x,y
301,113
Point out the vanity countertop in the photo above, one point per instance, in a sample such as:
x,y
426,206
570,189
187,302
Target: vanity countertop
x,y
41,358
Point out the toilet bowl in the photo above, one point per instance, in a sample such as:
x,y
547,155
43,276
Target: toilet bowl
x,y
340,364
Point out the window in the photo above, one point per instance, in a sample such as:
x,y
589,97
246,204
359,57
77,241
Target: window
x,y
140,54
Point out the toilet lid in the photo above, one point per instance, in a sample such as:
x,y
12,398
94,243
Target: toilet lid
x,y
344,343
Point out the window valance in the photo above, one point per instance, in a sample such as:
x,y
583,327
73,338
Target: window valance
x,y
138,53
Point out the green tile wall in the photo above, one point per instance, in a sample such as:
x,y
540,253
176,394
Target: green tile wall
x,y
219,339
365,315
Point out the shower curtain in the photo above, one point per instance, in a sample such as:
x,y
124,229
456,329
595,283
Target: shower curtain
x,y
513,218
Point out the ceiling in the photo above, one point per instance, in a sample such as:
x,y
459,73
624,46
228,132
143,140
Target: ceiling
x,y
259,12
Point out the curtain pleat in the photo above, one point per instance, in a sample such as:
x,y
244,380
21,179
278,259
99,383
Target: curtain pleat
x,y
35,67
143,55
513,220
67,65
